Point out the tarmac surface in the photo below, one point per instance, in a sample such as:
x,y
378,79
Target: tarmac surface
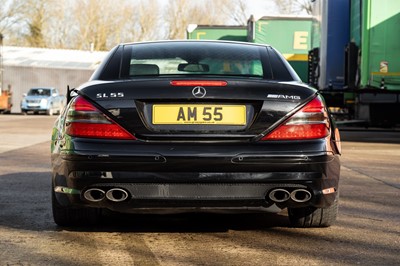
x,y
367,231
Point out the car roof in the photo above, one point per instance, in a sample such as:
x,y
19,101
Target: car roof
x,y
198,41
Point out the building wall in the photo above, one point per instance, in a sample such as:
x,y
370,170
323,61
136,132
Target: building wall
x,y
23,78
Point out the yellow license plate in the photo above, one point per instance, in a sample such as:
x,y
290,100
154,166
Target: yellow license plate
x,y
197,114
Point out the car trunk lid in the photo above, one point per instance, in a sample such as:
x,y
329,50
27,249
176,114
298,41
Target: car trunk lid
x,y
158,109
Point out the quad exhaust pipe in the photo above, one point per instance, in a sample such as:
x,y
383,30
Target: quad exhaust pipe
x,y
300,195
281,195
94,194
117,194
114,194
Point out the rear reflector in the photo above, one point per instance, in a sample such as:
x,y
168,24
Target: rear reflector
x,y
310,122
86,121
328,190
204,83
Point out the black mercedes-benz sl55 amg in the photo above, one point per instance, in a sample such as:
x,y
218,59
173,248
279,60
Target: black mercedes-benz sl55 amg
x,y
182,126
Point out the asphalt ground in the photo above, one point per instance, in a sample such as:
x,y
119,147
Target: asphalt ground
x,y
367,231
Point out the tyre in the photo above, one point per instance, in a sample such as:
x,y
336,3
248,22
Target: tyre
x,y
67,216
313,217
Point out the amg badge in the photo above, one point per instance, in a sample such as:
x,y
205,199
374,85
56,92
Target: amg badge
x,y
282,96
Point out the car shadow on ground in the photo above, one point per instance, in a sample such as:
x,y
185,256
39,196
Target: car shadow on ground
x,y
27,205
185,222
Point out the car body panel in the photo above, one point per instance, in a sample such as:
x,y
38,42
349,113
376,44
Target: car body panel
x,y
193,166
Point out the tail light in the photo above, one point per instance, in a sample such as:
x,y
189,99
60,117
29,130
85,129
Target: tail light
x,y
86,121
310,122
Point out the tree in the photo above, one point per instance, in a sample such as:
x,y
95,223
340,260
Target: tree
x,y
10,14
36,23
90,27
101,24
180,13
61,26
147,25
33,24
237,11
305,5
293,6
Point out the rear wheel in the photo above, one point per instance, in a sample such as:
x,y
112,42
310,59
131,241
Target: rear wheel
x,y
67,216
313,217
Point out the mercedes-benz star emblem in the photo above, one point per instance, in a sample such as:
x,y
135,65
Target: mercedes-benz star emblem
x,y
199,92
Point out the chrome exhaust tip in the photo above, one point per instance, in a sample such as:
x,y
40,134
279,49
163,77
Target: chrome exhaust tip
x,y
94,194
117,195
279,195
300,195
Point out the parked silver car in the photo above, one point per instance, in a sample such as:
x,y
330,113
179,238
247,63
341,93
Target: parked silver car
x,y
47,100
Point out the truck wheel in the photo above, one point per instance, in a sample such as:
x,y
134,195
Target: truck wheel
x,y
67,216
313,217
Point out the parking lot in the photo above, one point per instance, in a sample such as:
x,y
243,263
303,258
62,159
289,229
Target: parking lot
x,y
367,231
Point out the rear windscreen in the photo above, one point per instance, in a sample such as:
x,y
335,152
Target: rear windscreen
x,y
193,59
189,58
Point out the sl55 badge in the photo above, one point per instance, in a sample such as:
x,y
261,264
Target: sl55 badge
x,y
110,95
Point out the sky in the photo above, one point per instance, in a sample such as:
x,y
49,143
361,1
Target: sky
x,y
260,8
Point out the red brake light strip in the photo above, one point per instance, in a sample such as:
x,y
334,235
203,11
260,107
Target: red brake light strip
x,y
204,83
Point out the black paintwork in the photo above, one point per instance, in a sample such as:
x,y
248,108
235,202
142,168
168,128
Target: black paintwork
x,y
193,154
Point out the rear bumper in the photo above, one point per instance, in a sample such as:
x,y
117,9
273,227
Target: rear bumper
x,y
192,178
31,109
